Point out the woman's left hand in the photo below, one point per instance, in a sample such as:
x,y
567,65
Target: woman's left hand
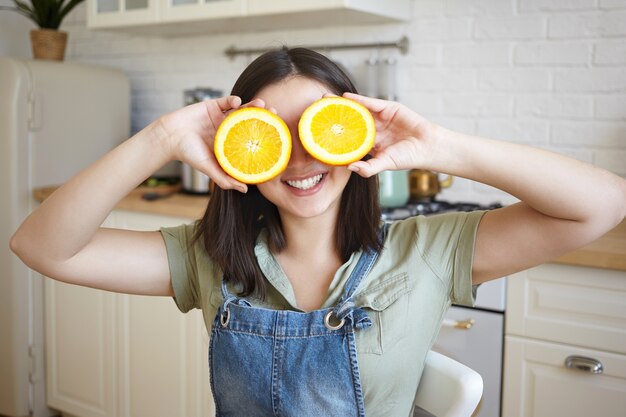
x,y
402,137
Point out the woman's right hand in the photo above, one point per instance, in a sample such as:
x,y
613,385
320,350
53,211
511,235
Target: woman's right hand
x,y
189,134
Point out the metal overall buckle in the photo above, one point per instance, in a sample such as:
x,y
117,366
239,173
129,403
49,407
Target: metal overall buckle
x,y
331,326
225,317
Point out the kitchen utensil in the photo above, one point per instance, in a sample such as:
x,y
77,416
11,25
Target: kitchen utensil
x,y
371,77
194,181
393,188
425,184
387,75
151,196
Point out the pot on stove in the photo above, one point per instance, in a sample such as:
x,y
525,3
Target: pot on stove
x,y
194,181
425,184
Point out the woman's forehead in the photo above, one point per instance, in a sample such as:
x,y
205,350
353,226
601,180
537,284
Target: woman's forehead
x,y
292,95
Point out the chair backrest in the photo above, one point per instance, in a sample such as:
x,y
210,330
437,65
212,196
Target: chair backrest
x,y
448,388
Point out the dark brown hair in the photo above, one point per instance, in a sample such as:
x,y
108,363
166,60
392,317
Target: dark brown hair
x,y
232,221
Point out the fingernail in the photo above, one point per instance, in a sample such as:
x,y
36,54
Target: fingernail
x,y
353,168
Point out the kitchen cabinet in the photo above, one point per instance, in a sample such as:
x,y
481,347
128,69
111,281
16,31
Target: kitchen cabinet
x,y
117,355
559,315
188,10
163,17
121,13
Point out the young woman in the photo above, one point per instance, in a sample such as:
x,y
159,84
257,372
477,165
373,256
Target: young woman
x,y
313,308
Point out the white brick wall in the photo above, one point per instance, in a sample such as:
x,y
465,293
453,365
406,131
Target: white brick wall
x,y
552,53
610,53
550,73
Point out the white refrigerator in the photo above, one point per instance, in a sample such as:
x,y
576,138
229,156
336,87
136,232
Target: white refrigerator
x,y
55,119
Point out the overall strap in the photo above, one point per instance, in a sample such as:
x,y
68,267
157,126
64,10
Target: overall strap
x,y
346,306
363,266
226,295
230,297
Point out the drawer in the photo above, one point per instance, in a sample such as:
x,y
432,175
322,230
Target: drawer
x,y
569,304
538,384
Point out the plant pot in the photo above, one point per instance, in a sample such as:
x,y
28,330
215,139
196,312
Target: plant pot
x,y
48,44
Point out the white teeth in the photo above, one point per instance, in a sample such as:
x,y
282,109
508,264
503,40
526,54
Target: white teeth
x,y
307,183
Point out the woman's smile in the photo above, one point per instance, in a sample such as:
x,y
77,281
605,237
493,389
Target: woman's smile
x,y
306,185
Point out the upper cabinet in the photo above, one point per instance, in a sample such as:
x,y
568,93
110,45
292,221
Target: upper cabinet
x,y
193,10
121,13
163,17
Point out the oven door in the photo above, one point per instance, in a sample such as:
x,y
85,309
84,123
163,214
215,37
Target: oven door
x,y
475,338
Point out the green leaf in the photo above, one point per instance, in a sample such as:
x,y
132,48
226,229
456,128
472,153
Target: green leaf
x,y
24,12
53,13
40,8
25,8
68,8
46,14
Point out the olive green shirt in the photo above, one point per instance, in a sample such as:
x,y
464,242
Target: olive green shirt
x,y
424,267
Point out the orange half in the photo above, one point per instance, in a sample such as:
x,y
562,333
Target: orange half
x,y
253,145
337,131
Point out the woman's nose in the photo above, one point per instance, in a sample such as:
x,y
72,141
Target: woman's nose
x,y
299,155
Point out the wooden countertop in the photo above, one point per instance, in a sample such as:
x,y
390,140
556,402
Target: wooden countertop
x,y
172,203
607,252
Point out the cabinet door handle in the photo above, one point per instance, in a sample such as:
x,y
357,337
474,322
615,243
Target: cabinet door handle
x,y
459,324
583,363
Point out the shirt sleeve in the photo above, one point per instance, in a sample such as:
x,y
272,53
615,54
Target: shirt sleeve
x,y
181,258
447,243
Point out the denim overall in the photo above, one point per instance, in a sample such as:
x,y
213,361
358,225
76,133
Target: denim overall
x,y
287,363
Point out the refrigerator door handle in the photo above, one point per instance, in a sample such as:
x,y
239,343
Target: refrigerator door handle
x,y
35,112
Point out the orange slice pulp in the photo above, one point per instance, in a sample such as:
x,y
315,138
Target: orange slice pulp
x,y
253,145
337,131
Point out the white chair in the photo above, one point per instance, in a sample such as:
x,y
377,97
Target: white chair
x,y
448,388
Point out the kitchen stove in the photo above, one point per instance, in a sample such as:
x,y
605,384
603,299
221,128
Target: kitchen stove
x,y
425,207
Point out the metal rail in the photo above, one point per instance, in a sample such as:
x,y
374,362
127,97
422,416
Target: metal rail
x,y
402,44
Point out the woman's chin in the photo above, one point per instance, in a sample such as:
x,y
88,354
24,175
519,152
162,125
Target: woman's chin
x,y
309,210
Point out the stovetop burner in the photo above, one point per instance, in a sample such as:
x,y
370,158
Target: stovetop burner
x,y
416,208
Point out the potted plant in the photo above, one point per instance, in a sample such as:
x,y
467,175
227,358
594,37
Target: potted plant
x,y
48,41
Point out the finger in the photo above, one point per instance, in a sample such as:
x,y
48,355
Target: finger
x,y
373,104
235,101
228,103
257,102
226,182
368,168
211,167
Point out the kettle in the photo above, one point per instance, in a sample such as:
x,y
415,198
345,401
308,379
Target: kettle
x,y
194,181
425,184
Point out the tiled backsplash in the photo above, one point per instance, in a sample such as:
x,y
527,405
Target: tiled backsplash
x,y
550,73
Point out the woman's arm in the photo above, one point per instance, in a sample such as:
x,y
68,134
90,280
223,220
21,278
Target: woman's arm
x,y
62,239
564,204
